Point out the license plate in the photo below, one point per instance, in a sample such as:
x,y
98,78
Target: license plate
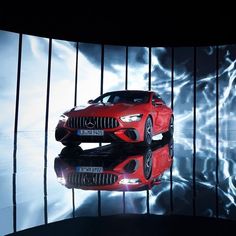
x,y
89,169
86,132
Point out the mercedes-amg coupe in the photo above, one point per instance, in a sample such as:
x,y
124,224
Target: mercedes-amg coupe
x,y
131,116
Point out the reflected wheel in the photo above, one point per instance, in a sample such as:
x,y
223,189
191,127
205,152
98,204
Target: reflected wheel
x,y
147,164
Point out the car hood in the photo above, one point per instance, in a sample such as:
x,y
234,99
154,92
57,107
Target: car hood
x,y
108,109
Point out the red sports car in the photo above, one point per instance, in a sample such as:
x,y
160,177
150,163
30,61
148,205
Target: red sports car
x,y
125,167
125,116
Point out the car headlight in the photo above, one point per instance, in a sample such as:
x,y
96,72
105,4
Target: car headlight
x,y
126,181
63,118
61,180
130,118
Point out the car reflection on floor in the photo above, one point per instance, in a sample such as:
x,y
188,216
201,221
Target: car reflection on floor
x,y
126,167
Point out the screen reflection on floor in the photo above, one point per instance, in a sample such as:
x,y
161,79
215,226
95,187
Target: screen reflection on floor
x,y
93,180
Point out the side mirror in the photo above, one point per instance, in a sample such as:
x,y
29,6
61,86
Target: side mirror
x,y
90,101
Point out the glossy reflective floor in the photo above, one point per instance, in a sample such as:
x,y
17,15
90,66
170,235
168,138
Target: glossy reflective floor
x,y
62,183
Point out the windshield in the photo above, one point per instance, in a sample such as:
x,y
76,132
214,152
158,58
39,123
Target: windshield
x,y
124,97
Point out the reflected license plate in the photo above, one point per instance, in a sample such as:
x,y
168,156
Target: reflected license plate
x,y
85,132
89,169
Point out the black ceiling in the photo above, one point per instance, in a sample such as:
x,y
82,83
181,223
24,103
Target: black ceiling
x,y
148,26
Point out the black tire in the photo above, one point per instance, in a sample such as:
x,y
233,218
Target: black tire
x,y
147,164
170,132
148,132
70,143
70,152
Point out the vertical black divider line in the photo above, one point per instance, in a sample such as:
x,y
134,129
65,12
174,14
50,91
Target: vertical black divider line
x,y
172,107
102,68
217,131
73,202
15,134
102,74
46,132
76,72
126,66
150,68
123,200
99,203
147,202
101,92
194,127
75,103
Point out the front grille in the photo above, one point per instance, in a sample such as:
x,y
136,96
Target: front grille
x,y
92,122
91,179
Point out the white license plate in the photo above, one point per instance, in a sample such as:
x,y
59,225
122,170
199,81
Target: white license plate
x,y
87,132
89,169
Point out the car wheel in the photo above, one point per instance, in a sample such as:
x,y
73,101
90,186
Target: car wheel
x,y
147,164
148,132
170,131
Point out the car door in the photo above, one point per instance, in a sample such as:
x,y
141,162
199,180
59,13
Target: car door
x,y
161,114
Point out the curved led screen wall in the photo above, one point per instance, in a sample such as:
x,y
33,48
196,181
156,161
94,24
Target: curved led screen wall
x,y
40,78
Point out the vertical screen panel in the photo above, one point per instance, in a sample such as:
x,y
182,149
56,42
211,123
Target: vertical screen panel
x,y
62,89
62,79
138,66
161,83
114,68
111,202
161,73
227,131
88,87
183,134
31,132
86,203
8,75
160,197
205,130
33,84
138,79
8,61
136,202
89,72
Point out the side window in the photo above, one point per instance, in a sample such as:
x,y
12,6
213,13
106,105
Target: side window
x,y
116,99
106,99
155,97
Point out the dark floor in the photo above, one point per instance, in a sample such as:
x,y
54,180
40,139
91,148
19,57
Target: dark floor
x,y
134,225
